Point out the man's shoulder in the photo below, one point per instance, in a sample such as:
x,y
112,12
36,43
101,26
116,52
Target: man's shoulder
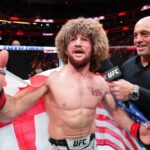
x,y
97,74
50,71
54,74
101,83
99,77
130,61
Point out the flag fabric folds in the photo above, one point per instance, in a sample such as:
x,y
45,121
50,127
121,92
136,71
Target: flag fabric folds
x,y
29,130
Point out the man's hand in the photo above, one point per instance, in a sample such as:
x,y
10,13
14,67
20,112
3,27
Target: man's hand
x,y
145,133
121,89
3,62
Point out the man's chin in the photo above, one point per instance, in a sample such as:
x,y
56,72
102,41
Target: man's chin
x,y
79,64
142,53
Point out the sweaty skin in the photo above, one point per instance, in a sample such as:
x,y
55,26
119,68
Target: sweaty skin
x,y
73,93
71,102
72,107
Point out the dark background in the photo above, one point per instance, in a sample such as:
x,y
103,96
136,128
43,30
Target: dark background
x,y
120,18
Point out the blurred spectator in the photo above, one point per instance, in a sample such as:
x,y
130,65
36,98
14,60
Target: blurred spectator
x,y
42,61
15,43
19,62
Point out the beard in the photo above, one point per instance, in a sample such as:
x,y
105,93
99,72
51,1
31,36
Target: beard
x,y
79,63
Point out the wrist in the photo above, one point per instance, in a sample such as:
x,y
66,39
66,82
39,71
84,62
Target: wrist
x,y
134,130
2,71
134,93
2,98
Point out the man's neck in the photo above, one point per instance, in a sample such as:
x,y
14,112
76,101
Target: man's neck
x,y
145,60
83,71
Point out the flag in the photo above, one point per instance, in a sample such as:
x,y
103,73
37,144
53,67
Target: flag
x,y
29,131
110,133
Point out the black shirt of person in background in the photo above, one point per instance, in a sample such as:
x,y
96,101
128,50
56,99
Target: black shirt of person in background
x,y
19,63
134,72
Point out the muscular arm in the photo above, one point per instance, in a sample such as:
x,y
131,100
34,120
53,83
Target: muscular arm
x,y
119,115
21,102
11,107
122,118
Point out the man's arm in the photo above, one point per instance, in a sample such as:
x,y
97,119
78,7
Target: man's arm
x,y
20,103
116,112
11,107
122,90
122,118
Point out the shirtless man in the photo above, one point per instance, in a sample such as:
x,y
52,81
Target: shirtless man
x,y
73,93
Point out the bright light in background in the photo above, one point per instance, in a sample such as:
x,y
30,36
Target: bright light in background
x,y
145,7
44,20
21,22
47,34
99,18
121,13
14,18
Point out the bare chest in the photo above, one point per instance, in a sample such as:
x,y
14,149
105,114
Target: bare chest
x,y
76,95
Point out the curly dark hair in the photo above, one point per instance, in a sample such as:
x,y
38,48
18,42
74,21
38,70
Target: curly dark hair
x,y
89,28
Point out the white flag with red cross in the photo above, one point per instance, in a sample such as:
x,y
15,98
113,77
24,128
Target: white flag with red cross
x,y
29,130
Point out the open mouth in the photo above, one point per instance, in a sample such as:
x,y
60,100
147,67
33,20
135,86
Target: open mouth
x,y
79,53
140,47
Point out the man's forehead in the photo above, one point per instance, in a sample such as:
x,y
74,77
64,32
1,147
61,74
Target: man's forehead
x,y
144,21
81,34
142,25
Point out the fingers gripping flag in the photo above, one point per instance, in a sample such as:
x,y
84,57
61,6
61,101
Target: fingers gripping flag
x,y
29,131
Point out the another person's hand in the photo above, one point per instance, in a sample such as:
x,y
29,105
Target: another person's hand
x,y
121,89
3,62
145,133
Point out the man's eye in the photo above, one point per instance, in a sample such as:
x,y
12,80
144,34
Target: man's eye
x,y
135,35
85,39
145,35
72,39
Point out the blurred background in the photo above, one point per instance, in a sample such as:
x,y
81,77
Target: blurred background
x,y
37,22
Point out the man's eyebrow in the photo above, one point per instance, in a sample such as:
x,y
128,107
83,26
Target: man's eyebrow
x,y
143,31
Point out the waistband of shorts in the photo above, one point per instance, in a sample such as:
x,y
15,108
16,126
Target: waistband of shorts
x,y
63,142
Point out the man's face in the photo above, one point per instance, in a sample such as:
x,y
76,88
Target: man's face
x,y
142,37
16,43
79,51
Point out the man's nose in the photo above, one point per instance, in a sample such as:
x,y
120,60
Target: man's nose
x,y
139,38
78,42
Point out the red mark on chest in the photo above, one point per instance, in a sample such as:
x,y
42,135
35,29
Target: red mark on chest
x,y
95,91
